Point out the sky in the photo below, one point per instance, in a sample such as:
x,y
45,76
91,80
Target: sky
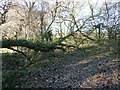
x,y
98,3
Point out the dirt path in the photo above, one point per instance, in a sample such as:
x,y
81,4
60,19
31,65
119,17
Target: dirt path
x,y
72,71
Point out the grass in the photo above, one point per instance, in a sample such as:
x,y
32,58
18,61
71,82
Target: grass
x,y
13,61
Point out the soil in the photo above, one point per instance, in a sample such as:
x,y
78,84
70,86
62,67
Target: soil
x,y
72,71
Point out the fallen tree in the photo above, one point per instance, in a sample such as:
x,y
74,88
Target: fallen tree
x,y
36,46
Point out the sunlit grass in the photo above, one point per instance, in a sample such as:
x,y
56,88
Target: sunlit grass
x,y
5,50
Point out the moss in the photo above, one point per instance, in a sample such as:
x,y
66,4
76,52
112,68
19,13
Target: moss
x,y
35,45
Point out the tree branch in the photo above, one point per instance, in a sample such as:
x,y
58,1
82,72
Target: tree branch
x,y
18,51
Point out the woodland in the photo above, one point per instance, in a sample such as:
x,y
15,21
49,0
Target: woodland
x,y
60,43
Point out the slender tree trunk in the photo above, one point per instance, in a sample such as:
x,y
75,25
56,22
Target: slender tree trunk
x,y
99,33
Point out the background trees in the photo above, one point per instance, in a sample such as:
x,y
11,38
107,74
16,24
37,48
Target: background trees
x,y
62,23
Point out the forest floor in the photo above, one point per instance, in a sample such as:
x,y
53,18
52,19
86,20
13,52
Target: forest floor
x,y
99,69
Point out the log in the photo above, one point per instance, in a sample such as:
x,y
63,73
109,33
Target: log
x,y
37,46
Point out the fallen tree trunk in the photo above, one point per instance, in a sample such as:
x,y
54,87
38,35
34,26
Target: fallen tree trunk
x,y
36,46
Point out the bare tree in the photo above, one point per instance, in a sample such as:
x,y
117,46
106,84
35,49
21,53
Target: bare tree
x,y
4,8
